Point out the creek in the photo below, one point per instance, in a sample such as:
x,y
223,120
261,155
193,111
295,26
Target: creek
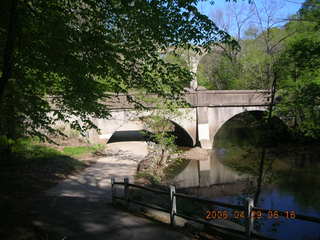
x,y
291,180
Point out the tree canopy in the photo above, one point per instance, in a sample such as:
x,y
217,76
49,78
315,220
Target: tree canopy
x,y
310,11
299,73
63,58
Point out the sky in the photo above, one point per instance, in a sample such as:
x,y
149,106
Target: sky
x,y
281,9
292,6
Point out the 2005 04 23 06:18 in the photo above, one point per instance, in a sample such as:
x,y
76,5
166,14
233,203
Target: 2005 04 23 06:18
x,y
257,214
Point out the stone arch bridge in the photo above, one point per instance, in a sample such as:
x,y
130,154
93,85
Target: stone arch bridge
x,y
208,111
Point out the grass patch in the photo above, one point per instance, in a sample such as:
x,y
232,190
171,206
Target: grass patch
x,y
79,150
32,168
29,150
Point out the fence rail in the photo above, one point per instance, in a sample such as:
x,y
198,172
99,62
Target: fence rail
x,y
249,209
222,204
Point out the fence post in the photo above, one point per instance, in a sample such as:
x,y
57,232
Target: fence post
x,y
113,190
250,217
173,205
126,190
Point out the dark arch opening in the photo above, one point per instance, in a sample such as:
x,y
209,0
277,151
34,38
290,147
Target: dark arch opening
x,y
130,136
182,137
250,128
240,141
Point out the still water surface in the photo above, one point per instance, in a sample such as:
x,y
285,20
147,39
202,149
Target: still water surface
x,y
283,228
292,186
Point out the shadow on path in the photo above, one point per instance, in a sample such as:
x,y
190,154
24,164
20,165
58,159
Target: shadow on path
x,y
79,218
80,208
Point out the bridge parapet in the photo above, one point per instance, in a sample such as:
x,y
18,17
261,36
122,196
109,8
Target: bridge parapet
x,y
219,98
205,98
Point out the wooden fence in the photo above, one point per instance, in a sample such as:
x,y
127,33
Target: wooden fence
x,y
248,208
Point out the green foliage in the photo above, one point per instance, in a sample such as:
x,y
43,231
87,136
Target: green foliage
x,y
202,78
300,106
69,55
176,58
310,11
79,150
30,149
247,129
249,68
299,73
162,145
217,71
27,148
5,142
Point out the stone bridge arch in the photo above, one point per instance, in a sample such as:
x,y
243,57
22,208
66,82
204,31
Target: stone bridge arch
x,y
211,171
253,113
216,117
125,120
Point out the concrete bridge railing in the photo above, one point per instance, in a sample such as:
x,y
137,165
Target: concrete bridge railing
x,y
205,98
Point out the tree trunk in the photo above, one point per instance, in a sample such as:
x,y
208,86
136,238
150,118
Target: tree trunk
x,y
260,176
8,51
264,150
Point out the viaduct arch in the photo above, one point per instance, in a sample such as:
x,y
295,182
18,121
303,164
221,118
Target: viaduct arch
x,y
193,59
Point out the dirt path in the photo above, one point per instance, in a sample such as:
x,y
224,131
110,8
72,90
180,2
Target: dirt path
x,y
79,207
94,182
